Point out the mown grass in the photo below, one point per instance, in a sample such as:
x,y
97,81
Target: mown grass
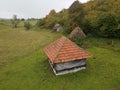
x,y
31,71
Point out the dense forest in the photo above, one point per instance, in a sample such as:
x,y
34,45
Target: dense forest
x,y
96,17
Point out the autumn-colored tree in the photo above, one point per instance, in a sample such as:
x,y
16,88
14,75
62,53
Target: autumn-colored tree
x,y
102,17
62,17
99,17
75,16
50,19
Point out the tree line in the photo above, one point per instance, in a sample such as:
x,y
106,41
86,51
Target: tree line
x,y
98,17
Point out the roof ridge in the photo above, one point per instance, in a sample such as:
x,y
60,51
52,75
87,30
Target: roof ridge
x,y
60,49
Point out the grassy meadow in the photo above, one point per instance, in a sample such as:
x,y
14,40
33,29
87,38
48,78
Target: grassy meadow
x,y
23,64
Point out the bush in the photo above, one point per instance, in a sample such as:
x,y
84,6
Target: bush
x,y
107,25
27,25
40,23
79,42
66,31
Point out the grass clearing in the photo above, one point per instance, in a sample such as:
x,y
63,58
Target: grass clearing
x,y
18,43
30,70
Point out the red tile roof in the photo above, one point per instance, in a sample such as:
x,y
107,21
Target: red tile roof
x,y
64,50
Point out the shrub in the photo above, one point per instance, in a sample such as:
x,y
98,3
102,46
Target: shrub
x,y
27,25
66,31
40,23
79,42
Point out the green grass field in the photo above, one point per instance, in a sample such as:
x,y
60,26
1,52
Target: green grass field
x,y
23,64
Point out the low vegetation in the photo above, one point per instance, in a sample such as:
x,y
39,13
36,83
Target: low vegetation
x,y
24,65
27,25
16,43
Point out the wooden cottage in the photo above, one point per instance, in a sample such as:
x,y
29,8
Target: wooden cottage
x,y
65,56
